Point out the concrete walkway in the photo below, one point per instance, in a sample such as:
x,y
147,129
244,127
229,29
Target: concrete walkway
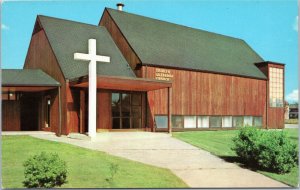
x,y
291,126
198,168
7,133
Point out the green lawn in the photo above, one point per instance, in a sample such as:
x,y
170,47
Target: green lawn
x,y
86,168
220,142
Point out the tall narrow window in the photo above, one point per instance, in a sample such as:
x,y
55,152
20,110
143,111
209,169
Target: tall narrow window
x,y
47,115
276,87
115,107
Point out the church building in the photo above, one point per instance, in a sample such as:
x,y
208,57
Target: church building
x,y
150,75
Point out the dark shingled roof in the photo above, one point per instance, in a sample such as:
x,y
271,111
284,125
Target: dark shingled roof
x,y
68,37
165,44
27,77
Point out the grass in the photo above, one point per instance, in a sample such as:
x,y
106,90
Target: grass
x,y
219,143
86,168
291,121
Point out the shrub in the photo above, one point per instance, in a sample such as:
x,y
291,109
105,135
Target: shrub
x,y
277,153
267,150
246,144
44,171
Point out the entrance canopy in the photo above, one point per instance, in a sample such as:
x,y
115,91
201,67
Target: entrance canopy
x,y
123,83
26,80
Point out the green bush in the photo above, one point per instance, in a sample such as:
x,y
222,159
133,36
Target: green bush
x,y
44,171
266,150
245,144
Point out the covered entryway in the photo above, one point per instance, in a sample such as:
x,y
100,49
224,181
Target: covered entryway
x,y
29,111
121,102
29,99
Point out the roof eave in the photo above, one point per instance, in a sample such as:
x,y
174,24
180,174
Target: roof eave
x,y
205,71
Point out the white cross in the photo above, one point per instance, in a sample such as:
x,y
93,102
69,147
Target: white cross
x,y
93,58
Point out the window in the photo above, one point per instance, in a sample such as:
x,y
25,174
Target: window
x,y
190,122
125,105
161,122
177,121
215,121
136,123
227,121
126,110
257,121
115,104
276,87
47,114
203,122
248,121
237,121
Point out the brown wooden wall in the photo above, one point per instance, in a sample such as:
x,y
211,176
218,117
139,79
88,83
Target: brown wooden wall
x,y
104,110
275,118
73,108
120,41
41,56
11,115
198,93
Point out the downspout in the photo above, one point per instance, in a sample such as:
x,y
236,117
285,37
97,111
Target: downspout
x,y
267,101
59,112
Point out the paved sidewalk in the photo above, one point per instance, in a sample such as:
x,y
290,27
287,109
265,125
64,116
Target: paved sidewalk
x,y
291,126
7,133
198,168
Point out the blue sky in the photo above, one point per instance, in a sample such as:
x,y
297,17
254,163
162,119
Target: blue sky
x,y
269,27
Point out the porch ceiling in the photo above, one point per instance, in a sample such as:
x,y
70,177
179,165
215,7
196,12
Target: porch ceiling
x,y
123,83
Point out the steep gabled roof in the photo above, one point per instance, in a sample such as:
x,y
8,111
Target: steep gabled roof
x,y
27,77
165,44
68,37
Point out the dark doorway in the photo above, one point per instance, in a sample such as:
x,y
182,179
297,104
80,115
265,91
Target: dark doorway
x,y
29,112
126,110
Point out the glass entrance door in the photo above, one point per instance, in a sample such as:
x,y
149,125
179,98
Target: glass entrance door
x,y
126,110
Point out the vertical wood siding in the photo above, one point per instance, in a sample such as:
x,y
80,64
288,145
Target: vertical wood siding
x,y
198,93
104,110
11,115
41,56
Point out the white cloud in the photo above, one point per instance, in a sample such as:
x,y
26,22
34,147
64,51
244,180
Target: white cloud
x,y
293,96
295,25
4,27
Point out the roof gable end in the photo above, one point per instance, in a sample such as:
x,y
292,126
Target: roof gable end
x,y
69,37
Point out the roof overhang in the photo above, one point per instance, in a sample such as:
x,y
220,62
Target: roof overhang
x,y
22,88
123,83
